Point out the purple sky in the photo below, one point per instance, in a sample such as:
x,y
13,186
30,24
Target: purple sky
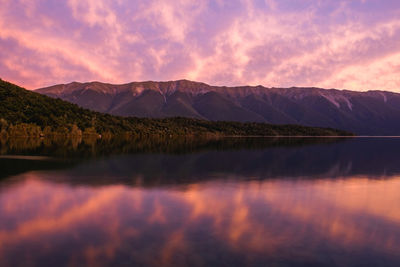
x,y
353,44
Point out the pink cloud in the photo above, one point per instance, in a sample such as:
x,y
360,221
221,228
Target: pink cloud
x,y
274,43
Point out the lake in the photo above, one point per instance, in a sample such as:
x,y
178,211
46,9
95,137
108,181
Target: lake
x,y
232,202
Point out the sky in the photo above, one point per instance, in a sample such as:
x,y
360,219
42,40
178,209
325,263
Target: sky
x,y
344,44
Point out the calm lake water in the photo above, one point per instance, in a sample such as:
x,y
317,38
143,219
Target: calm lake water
x,y
227,203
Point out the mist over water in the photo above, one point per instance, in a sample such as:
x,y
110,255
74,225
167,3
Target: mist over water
x,y
228,202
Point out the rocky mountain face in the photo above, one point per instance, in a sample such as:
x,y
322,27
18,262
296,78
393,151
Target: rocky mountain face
x,y
364,113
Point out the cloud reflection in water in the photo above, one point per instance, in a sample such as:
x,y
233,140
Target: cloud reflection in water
x,y
233,222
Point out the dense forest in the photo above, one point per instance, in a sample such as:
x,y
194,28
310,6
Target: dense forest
x,y
26,113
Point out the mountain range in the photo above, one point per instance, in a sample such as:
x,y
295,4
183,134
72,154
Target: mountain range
x,y
364,113
25,113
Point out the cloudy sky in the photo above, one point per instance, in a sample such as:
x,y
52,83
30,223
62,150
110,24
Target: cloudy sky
x,y
352,44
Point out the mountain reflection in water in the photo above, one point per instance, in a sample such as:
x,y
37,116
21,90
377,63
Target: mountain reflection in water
x,y
323,204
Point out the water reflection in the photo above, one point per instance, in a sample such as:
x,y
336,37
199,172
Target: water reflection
x,y
326,204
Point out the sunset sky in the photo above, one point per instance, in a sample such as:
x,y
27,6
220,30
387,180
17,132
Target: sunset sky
x,y
353,44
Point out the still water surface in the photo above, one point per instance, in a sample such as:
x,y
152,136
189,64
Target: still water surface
x,y
333,203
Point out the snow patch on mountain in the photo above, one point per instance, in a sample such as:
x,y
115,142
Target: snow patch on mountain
x,y
384,97
337,99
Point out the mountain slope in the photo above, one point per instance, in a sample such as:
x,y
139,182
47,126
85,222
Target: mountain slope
x,y
18,106
365,113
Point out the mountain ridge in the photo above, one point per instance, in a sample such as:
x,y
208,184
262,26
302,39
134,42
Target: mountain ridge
x,y
185,81
365,113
